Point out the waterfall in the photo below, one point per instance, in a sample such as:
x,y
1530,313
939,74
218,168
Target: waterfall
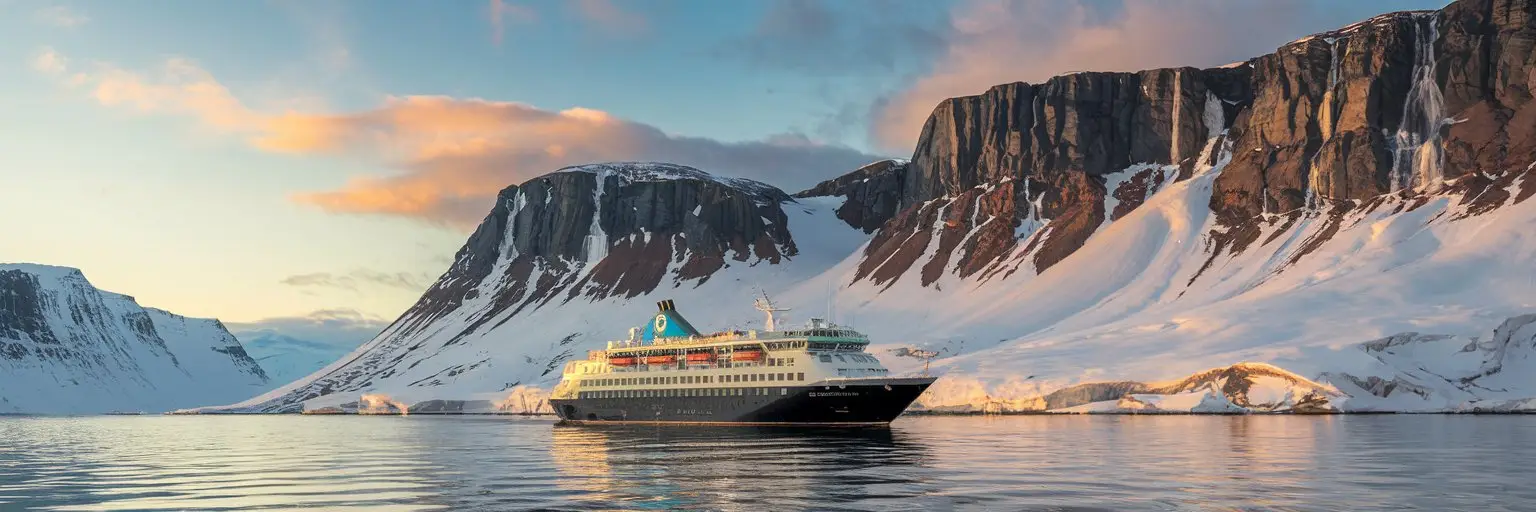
x,y
1029,205
1173,130
1324,125
1215,115
1416,153
595,245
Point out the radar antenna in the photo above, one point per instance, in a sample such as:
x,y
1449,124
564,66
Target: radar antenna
x,y
766,305
927,357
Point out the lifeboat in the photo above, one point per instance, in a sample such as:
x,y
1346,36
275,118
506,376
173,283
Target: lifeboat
x,y
703,357
622,361
661,360
747,355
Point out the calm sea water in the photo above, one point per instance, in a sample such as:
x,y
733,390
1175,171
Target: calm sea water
x,y
919,463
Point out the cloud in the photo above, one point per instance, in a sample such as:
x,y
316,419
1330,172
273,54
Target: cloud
x,y
451,155
354,280
607,15
341,328
179,86
502,11
48,61
458,153
816,37
59,16
993,42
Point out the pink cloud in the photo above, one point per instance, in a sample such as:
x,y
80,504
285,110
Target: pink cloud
x,y
450,156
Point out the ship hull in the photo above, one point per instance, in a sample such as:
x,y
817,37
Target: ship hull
x,y
862,403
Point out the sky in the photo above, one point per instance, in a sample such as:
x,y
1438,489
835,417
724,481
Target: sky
x,y
311,166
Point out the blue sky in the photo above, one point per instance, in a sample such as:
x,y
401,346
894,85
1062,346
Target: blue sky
x,y
276,161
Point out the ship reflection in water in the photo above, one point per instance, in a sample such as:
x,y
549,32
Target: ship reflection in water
x,y
713,468
919,463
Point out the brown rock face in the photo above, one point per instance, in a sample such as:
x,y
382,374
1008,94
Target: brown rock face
x,y
1337,116
1395,104
873,193
999,164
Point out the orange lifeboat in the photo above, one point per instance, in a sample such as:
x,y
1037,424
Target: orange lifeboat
x,y
622,361
703,357
661,360
747,355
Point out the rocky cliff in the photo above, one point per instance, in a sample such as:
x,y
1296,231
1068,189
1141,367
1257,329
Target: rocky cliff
x,y
1021,176
67,347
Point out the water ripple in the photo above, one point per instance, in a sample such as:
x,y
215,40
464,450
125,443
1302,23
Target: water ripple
x,y
502,463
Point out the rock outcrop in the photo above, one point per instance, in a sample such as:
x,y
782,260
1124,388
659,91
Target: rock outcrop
x,y
873,193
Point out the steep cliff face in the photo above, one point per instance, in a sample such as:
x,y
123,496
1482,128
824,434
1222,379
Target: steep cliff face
x,y
990,172
1018,178
1408,104
66,347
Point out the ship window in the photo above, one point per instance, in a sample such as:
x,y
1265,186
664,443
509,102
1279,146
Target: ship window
x,y
826,358
799,376
754,377
783,391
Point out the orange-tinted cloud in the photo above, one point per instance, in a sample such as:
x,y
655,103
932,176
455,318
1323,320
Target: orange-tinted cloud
x,y
48,61
450,155
456,154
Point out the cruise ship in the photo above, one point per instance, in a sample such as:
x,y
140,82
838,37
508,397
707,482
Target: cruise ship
x,y
669,372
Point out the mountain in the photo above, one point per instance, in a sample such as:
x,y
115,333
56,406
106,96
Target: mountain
x,y
286,358
67,347
1069,245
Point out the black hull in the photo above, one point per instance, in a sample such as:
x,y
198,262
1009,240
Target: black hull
x,y
832,405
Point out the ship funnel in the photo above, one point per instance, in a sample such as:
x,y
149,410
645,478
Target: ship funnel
x,y
666,305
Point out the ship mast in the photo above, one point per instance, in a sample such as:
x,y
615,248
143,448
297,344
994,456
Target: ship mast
x,y
765,305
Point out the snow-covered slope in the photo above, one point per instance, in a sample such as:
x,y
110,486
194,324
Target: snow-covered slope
x,y
286,358
67,347
1070,244
1437,372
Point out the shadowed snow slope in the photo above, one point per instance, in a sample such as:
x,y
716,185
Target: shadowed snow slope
x,y
67,347
1065,244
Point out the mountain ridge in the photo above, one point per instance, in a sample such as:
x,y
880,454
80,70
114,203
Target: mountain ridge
x,y
1097,227
68,347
